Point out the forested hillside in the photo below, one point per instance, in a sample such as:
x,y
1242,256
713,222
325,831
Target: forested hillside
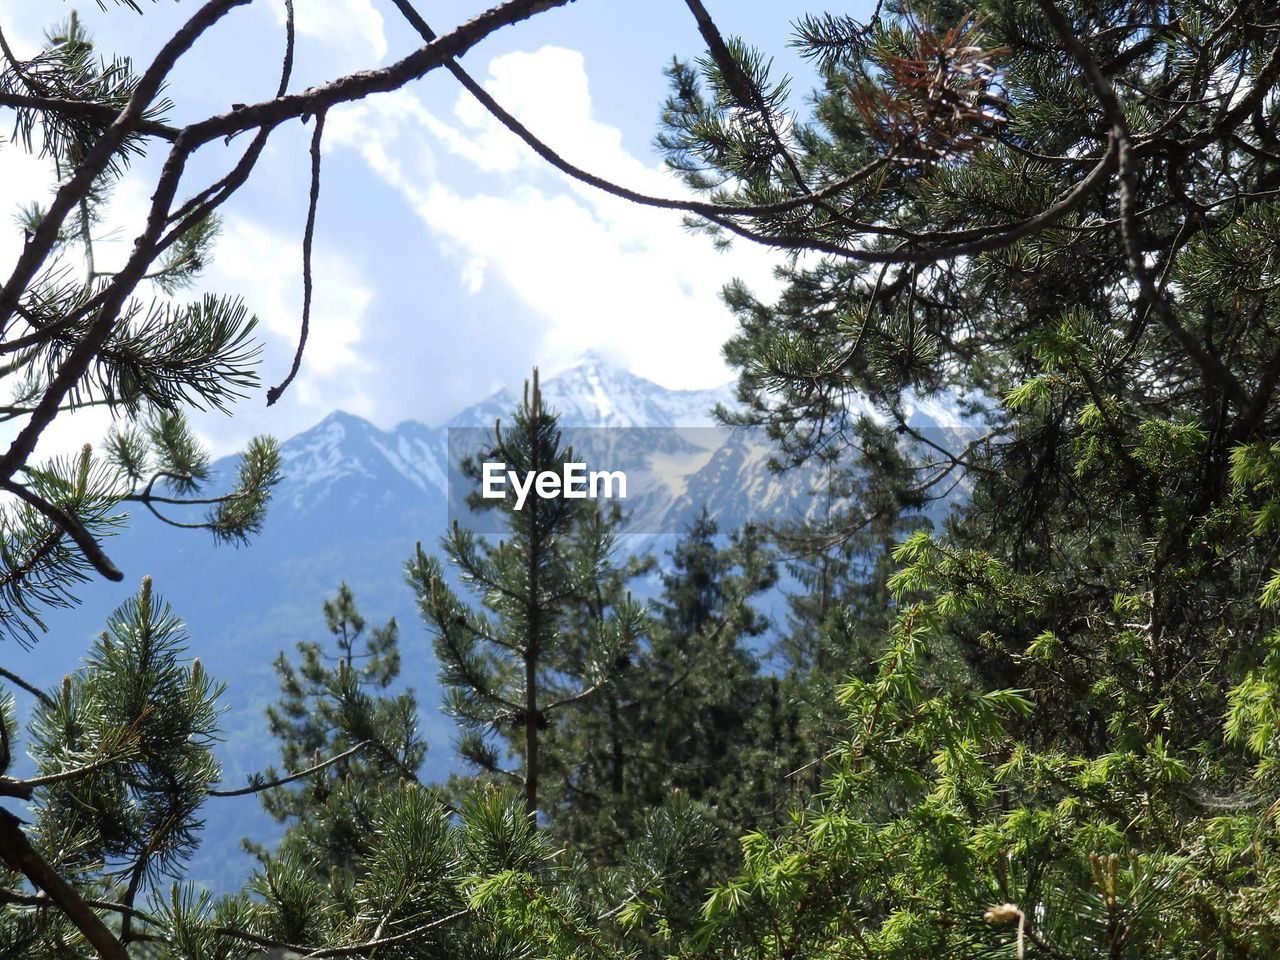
x,y
1024,696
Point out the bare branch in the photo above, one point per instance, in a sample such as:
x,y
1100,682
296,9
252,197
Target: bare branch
x,y
31,688
259,787
578,697
42,900
204,201
308,235
347,951
551,156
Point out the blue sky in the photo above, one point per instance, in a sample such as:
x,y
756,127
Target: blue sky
x,y
448,258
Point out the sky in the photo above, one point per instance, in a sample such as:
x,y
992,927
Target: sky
x,y
448,258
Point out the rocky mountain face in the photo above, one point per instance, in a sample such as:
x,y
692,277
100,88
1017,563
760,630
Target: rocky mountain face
x,y
354,501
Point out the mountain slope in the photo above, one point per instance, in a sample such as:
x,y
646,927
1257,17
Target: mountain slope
x,y
354,501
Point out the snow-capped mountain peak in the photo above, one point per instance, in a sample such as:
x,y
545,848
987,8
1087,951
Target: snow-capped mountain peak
x,y
592,393
597,393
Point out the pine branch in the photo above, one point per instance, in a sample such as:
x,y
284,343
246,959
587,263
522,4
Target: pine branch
x,y
1007,235
32,689
146,496
81,109
17,852
71,526
257,784
351,950
264,116
96,160
1150,297
25,789
742,87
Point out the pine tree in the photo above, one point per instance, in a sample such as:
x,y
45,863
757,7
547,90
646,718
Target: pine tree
x,y
686,715
124,764
512,667
1063,212
710,726
1064,209
840,554
335,703
160,355
840,559
124,751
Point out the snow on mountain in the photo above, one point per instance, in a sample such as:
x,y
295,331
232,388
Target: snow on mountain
x,y
347,460
354,501
319,463
595,393
339,447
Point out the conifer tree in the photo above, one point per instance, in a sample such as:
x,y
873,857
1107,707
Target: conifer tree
x,y
690,718
1059,211
511,667
1064,210
124,764
161,355
335,703
865,500
839,560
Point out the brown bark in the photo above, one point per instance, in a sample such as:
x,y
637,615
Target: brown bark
x,y
16,850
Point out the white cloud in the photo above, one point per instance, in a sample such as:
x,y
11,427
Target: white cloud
x,y
473,274
397,120
601,273
265,265
26,179
353,26
650,298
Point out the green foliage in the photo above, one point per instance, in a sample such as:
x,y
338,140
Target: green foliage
x,y
1044,728
41,565
67,67
688,721
137,704
336,700
1066,747
124,758
514,666
158,357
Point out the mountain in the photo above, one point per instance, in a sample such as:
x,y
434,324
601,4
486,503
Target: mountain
x,y
354,501
596,393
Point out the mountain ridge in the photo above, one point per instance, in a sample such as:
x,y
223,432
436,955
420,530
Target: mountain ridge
x,y
354,502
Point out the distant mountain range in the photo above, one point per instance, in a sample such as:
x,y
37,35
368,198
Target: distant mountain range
x,y
354,501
